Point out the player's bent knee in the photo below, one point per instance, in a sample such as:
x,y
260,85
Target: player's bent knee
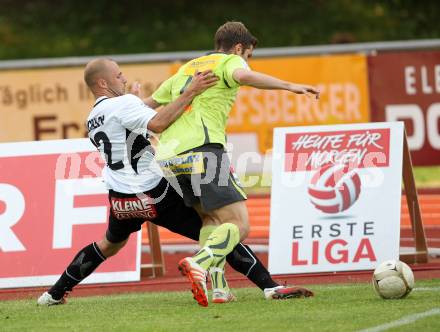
x,y
109,249
244,230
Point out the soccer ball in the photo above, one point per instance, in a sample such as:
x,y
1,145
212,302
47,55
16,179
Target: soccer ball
x,y
393,279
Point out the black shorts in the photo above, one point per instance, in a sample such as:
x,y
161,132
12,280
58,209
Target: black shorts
x,y
162,206
205,176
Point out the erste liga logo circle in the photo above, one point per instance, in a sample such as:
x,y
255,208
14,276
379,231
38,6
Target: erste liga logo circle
x,y
334,188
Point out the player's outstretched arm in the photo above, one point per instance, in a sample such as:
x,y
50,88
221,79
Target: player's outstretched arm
x,y
267,82
149,101
163,119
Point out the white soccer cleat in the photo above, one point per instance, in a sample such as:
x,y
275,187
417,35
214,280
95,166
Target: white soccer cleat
x,y
286,292
46,300
222,296
197,276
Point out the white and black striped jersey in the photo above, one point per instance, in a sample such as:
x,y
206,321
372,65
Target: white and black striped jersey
x,y
118,128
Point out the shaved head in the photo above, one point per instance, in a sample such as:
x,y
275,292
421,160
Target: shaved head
x,y
104,78
96,69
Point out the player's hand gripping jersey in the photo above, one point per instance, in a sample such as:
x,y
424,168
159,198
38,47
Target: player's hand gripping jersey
x,y
204,121
118,128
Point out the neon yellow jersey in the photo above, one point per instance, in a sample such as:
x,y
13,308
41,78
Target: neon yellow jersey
x,y
204,121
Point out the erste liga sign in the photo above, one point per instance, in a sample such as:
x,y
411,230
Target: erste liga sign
x,y
336,195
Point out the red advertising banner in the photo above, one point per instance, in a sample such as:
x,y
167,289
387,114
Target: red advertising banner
x,y
405,86
53,203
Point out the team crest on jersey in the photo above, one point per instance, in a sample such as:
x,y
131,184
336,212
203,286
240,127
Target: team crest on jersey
x,y
133,207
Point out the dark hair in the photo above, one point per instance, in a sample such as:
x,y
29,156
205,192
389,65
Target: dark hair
x,y
231,34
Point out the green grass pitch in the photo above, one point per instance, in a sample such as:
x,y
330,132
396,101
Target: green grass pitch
x,y
348,307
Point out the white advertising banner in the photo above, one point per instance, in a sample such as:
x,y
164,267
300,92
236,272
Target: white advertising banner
x,y
53,203
336,195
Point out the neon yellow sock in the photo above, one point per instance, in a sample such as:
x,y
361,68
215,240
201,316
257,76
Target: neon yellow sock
x,y
217,273
221,242
205,231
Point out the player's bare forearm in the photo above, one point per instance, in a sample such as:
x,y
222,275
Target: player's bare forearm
x,y
150,102
259,80
267,82
163,119
135,89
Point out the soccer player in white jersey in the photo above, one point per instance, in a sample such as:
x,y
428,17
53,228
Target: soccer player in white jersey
x,y
138,192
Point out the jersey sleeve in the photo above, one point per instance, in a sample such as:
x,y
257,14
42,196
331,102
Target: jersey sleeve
x,y
231,64
135,114
163,95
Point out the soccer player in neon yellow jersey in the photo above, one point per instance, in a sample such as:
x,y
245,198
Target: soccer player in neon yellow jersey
x,y
193,149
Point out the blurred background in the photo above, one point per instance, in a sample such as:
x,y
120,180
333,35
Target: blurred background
x,y
44,28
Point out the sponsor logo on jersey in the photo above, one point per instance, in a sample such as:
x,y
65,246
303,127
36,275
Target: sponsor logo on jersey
x,y
133,207
189,163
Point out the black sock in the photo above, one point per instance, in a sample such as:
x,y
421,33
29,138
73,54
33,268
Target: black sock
x,y
84,263
244,260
